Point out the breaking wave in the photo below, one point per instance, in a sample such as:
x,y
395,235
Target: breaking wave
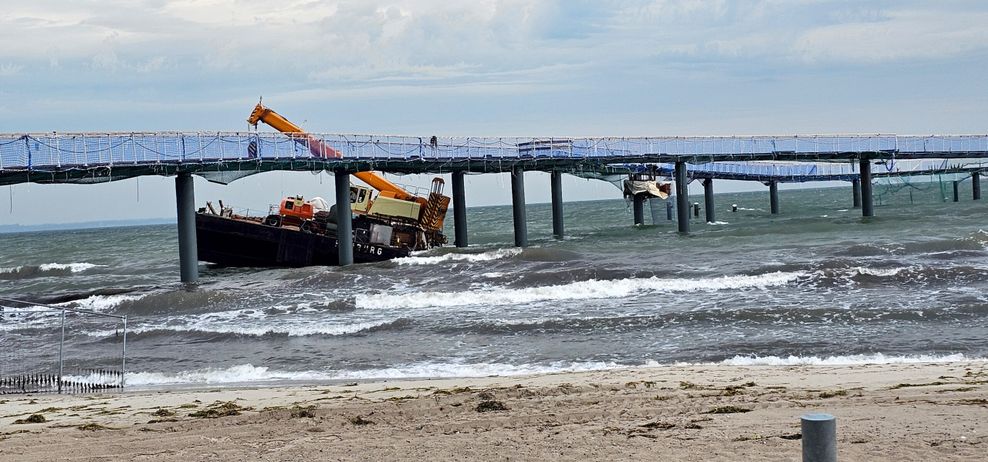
x,y
101,303
290,329
44,270
581,290
247,373
460,257
848,360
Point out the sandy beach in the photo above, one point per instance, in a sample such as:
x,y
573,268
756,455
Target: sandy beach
x,y
901,412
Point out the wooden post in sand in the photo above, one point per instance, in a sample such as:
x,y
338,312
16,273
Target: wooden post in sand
x,y
819,438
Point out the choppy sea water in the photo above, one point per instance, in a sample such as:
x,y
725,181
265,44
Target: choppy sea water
x,y
816,284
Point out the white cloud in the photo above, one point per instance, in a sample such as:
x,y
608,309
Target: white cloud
x,y
899,35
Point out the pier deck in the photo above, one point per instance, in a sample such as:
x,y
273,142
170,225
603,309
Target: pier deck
x,y
225,157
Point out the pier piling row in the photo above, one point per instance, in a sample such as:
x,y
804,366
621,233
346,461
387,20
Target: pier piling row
x,y
861,187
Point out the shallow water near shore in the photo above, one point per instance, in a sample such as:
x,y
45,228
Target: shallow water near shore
x,y
816,284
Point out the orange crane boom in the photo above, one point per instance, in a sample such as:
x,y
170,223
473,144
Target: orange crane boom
x,y
320,149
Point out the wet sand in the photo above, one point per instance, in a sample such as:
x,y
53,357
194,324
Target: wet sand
x,y
901,412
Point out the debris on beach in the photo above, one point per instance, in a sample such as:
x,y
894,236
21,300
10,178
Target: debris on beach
x,y
728,410
33,418
92,427
491,406
219,409
360,421
162,412
298,412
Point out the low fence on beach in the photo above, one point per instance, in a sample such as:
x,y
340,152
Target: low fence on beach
x,y
51,349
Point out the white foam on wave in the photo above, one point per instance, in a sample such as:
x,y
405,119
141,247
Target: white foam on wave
x,y
250,321
247,373
73,267
460,257
291,329
848,360
581,290
880,272
101,302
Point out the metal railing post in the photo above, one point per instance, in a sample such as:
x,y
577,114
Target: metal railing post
x,y
61,361
123,359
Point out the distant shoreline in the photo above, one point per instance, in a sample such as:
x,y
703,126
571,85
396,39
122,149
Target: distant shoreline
x,y
15,229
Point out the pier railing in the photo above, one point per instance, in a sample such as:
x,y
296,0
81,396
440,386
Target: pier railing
x,y
51,349
225,157
29,151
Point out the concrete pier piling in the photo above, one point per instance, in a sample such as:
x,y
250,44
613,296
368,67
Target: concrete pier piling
x,y
856,193
344,218
669,210
708,199
638,202
459,210
976,186
957,191
682,198
819,438
518,206
185,200
773,194
556,180
867,199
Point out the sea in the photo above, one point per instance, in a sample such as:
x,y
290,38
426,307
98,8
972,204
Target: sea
x,y
816,284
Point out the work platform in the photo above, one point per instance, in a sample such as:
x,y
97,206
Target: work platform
x,y
225,157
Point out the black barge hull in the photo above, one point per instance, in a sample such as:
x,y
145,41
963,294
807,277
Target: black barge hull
x,y
232,242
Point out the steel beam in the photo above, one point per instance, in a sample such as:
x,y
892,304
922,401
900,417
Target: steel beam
x,y
557,204
188,253
682,198
867,198
708,199
344,219
518,206
459,210
773,195
638,201
976,185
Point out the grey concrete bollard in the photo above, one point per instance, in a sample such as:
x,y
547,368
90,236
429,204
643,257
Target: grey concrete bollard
x,y
819,438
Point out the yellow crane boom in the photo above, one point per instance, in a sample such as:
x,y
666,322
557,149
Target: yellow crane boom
x,y
321,149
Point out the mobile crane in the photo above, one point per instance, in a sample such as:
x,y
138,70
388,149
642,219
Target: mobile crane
x,y
392,202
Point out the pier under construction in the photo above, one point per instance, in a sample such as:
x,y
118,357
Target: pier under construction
x,y
86,158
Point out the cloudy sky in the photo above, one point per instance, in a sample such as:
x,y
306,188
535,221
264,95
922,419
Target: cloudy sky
x,y
483,67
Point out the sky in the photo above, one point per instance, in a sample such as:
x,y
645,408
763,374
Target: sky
x,y
479,68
